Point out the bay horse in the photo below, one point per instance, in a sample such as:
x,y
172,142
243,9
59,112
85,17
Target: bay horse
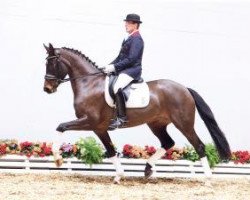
x,y
170,102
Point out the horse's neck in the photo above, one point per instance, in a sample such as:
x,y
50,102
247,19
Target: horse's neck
x,y
78,70
78,66
82,68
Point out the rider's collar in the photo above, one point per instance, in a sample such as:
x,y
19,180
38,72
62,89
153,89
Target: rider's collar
x,y
134,32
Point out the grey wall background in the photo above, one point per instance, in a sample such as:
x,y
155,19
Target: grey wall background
x,y
204,45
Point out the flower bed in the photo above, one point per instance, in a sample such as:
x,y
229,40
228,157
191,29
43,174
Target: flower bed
x,y
89,151
25,148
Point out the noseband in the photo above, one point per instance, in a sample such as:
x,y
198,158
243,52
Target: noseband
x,y
53,77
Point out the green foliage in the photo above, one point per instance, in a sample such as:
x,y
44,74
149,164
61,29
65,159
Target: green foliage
x,y
210,151
212,155
190,154
90,151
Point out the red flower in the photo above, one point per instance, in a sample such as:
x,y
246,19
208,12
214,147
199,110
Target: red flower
x,y
168,154
241,157
27,148
150,150
3,149
46,150
26,144
127,150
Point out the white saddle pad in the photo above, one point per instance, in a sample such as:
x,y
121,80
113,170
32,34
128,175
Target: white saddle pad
x,y
138,98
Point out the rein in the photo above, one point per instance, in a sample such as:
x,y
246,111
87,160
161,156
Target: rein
x,y
53,77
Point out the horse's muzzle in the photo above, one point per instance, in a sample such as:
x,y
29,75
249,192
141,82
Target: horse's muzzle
x,y
49,90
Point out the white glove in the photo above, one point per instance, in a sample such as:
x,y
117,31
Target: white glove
x,y
109,68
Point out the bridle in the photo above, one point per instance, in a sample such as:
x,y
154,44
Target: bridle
x,y
58,80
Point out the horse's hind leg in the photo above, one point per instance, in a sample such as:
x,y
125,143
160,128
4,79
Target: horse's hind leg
x,y
183,118
189,132
111,152
159,130
200,149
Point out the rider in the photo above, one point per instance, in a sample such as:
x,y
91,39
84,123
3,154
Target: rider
x,y
127,66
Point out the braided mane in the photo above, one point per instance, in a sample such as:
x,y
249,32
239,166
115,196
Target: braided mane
x,y
79,53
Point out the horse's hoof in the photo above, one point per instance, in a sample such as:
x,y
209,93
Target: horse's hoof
x,y
58,159
59,162
61,128
148,171
117,180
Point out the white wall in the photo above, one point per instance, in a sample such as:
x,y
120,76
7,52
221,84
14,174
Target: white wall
x,y
204,45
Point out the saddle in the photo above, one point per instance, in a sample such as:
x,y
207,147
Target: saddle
x,y
136,93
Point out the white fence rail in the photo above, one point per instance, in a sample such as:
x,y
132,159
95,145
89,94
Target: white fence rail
x,y
132,167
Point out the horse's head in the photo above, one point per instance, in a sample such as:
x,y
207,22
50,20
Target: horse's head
x,y
56,70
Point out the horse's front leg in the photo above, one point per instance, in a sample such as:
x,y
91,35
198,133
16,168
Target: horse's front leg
x,y
78,124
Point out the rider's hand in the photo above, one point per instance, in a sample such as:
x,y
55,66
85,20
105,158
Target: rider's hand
x,y
109,68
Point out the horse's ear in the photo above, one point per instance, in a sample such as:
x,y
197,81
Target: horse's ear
x,y
51,49
51,46
47,48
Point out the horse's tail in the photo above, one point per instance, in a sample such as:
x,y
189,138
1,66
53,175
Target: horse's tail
x,y
207,116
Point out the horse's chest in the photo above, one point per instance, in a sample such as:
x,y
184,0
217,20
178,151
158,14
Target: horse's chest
x,y
84,106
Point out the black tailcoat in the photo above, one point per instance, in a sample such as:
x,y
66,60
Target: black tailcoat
x,y
130,56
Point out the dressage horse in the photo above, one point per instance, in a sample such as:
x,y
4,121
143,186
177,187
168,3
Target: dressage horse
x,y
170,102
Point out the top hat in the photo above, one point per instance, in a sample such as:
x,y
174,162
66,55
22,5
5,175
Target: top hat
x,y
134,18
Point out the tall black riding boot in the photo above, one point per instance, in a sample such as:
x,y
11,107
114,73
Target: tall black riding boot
x,y
121,118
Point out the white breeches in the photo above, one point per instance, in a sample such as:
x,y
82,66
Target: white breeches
x,y
122,81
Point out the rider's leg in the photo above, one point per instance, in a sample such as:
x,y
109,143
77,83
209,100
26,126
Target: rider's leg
x,y
122,81
120,105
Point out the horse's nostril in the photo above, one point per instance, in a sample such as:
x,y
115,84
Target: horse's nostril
x,y
47,90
